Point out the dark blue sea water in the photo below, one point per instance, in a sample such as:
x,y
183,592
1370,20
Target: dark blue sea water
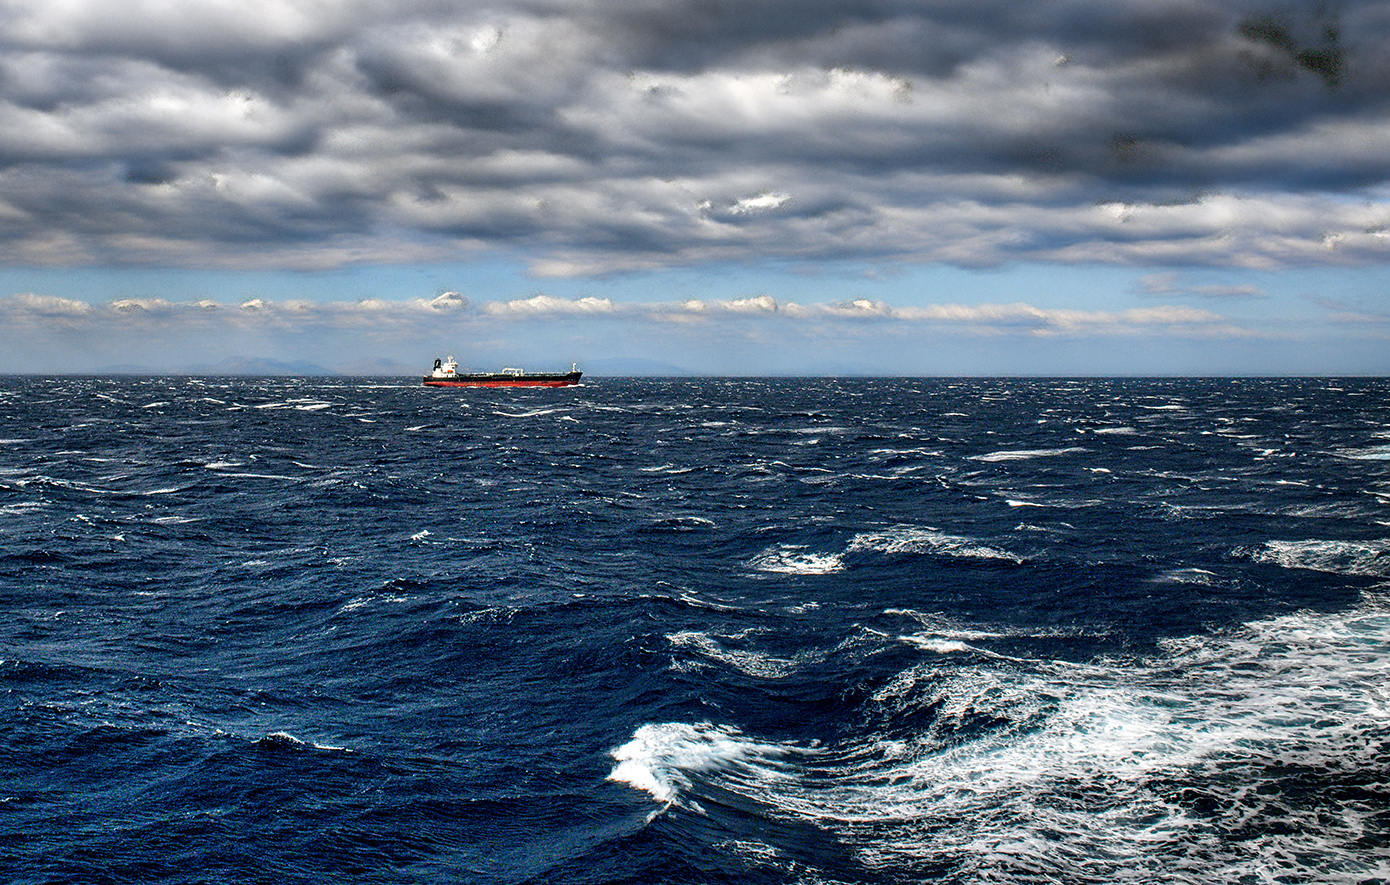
x,y
690,631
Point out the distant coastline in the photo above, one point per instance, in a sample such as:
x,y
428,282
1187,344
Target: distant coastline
x,y
261,367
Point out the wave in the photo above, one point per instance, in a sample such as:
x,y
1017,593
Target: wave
x,y
534,413
679,524
906,539
1025,454
902,540
1371,453
283,740
1256,755
660,758
750,663
302,405
1336,557
796,559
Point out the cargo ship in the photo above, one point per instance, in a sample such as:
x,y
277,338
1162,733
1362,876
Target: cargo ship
x,y
446,374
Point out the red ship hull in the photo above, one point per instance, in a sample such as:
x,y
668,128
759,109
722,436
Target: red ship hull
x,y
569,379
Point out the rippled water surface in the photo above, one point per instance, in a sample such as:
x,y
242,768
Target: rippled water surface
x,y
353,630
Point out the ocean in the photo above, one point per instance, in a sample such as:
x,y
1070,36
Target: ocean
x,y
695,631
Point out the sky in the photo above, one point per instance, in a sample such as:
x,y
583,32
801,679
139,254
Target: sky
x,y
743,187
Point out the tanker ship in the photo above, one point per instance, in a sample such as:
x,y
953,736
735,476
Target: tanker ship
x,y
446,374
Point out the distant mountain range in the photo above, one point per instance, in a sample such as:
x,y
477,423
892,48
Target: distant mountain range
x,y
255,366
229,366
372,367
625,367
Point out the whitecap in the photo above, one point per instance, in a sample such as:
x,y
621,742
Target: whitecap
x,y
660,757
1083,772
1336,557
1373,453
285,740
795,559
750,663
666,470
266,476
937,644
360,602
535,413
1199,576
1025,454
906,539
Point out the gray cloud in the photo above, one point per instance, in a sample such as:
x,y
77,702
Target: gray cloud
x,y
596,137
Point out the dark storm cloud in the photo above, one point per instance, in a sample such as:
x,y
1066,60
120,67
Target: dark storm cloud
x,y
594,136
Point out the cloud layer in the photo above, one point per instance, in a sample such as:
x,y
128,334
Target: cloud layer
x,y
593,137
418,316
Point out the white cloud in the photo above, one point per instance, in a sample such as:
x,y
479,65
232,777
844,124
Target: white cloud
x,y
761,203
28,303
546,305
421,314
757,304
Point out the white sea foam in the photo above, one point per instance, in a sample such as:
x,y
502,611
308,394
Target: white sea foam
x,y
923,452
660,757
907,539
285,739
534,413
1336,557
796,559
1372,453
667,470
1144,770
361,602
1198,576
303,405
1025,454
936,644
941,626
751,663
265,476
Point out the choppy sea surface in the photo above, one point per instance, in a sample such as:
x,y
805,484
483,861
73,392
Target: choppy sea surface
x,y
690,631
